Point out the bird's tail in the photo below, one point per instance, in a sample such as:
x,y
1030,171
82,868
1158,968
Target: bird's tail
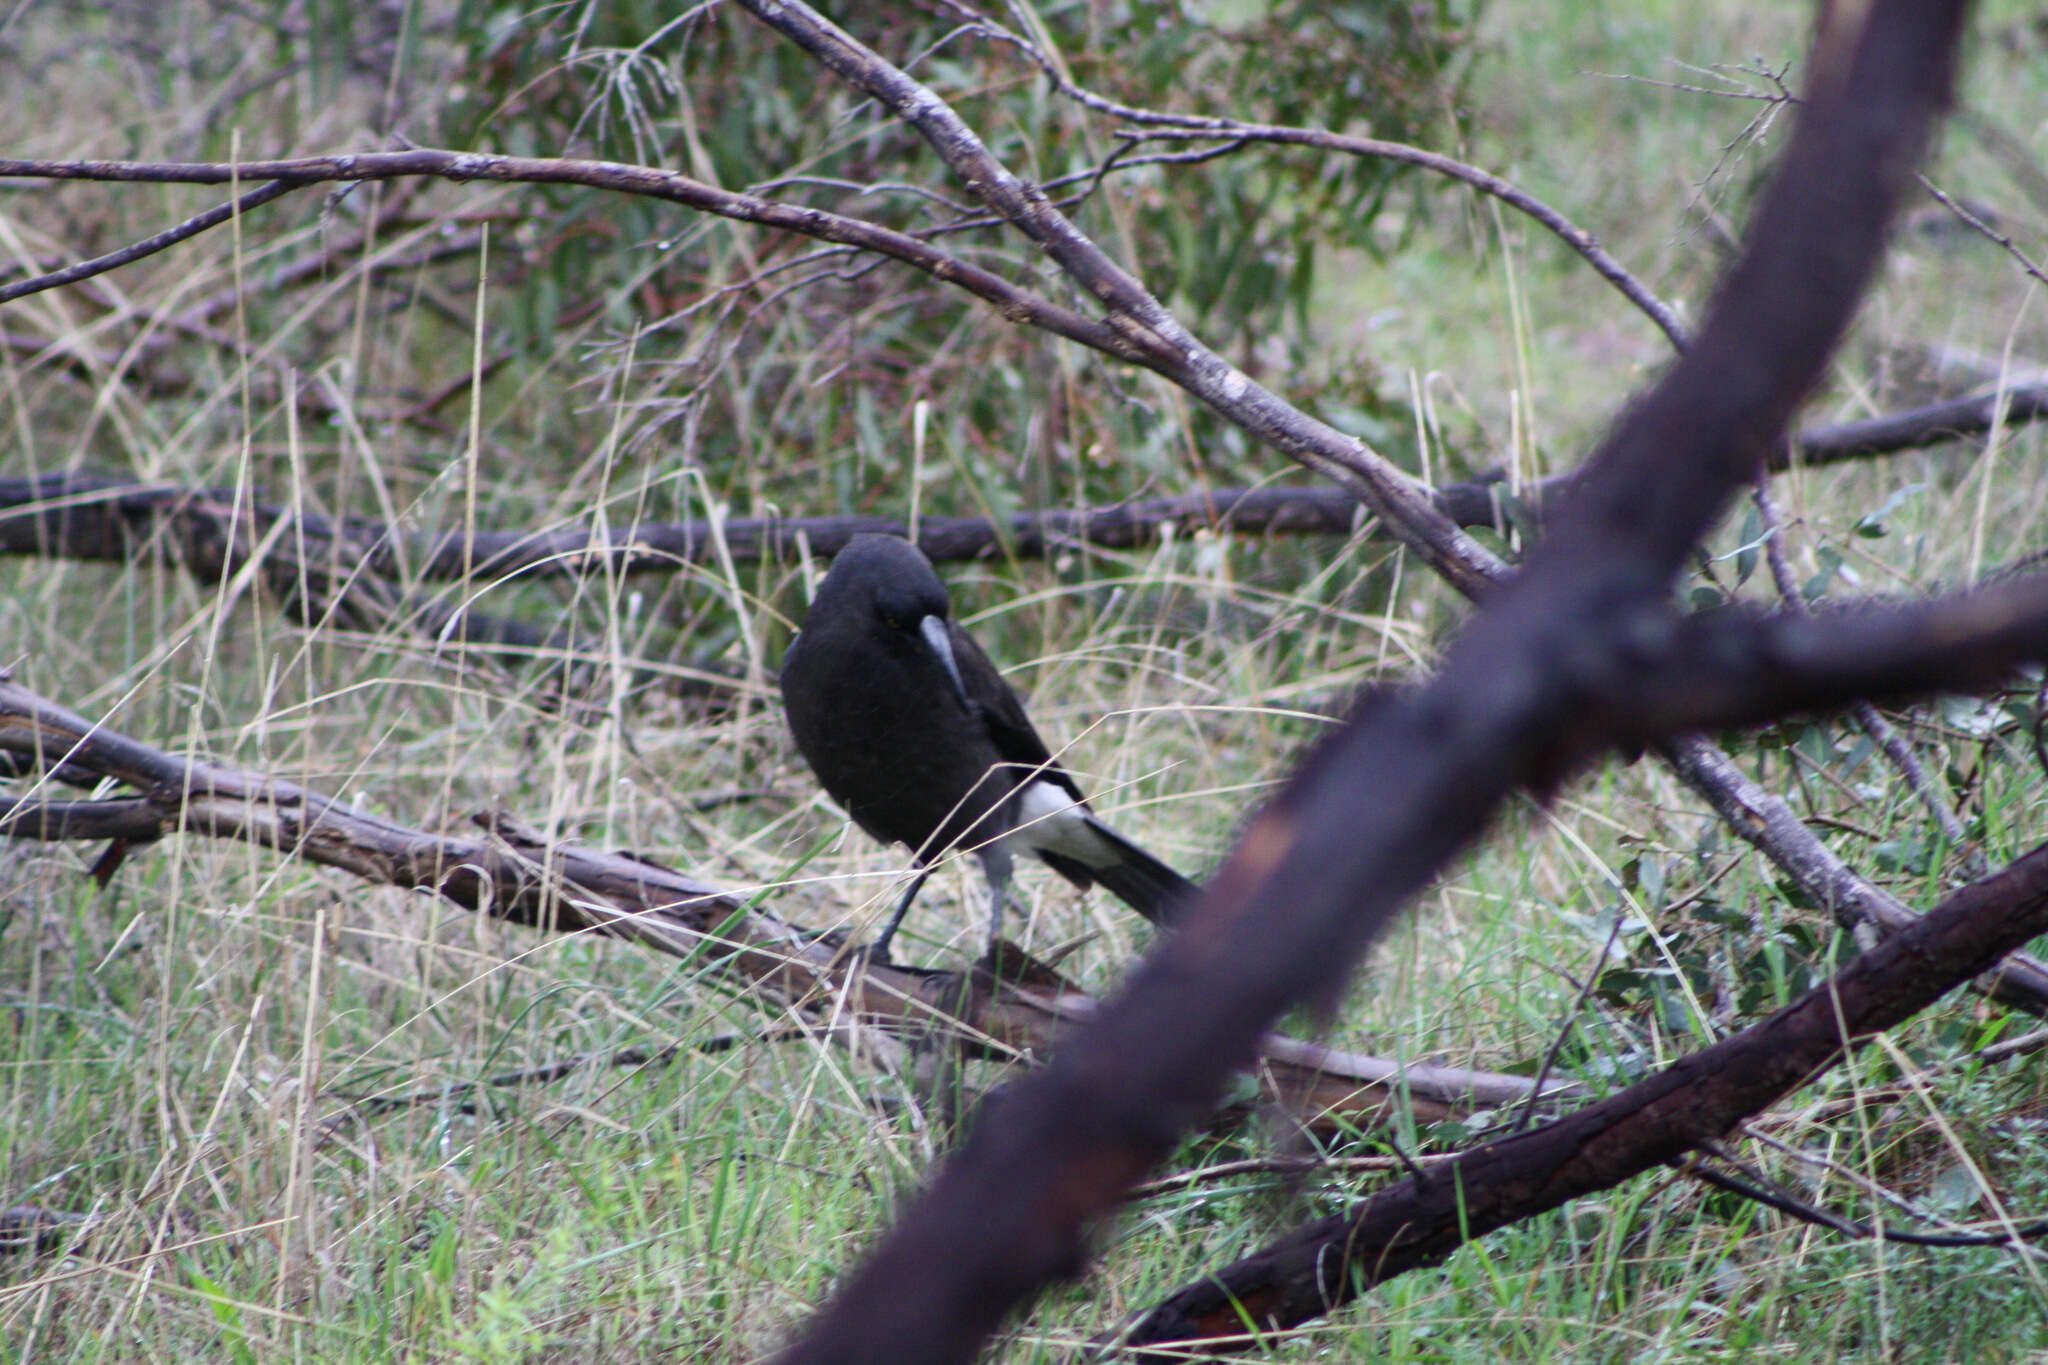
x,y
1131,874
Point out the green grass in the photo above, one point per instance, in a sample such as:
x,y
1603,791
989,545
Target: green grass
x,y
182,1042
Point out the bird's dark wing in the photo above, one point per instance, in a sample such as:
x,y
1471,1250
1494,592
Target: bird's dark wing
x,y
1002,714
1132,875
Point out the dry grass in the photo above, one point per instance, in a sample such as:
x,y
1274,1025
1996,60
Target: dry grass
x,y
183,1040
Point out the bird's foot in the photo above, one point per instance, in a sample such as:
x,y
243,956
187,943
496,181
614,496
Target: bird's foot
x,y
1003,959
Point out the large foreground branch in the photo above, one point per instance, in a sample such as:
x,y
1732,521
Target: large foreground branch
x,y
1738,666
1413,778
1421,1221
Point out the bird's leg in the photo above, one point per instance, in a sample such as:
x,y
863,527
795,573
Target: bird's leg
x,y
880,952
995,865
995,918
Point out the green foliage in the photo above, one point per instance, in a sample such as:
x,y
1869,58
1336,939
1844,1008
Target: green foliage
x,y
718,98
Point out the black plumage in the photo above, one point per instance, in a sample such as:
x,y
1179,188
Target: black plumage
x,y
909,726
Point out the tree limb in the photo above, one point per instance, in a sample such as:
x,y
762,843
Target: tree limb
x,y
148,246
1411,779
90,516
1739,666
1420,1222
1016,304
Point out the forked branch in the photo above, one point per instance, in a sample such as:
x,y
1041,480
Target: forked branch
x,y
1412,779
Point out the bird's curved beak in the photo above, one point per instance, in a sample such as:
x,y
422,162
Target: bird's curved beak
x,y
933,629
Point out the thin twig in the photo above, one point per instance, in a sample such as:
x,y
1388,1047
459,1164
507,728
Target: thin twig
x,y
1757,1187
149,246
1527,1111
1571,234
1158,125
1970,857
639,1058
1984,229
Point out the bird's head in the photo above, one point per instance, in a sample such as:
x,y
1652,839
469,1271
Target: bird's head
x,y
889,579
892,581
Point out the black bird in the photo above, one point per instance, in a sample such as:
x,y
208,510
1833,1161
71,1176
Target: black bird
x,y
911,728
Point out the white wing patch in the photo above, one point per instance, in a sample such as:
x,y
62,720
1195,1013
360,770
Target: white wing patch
x,y
1050,819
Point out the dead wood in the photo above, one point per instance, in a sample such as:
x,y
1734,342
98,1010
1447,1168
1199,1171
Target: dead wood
x,y
1413,777
1421,1221
510,873
107,518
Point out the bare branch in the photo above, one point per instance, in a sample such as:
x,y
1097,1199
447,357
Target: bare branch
x,y
1380,807
1014,303
114,519
1418,1223
1571,234
1983,229
82,515
148,246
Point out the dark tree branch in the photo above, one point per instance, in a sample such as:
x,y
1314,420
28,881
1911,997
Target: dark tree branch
x,y
1411,779
320,572
1919,427
1914,429
1896,749
1419,1223
1752,1186
1738,666
128,819
111,519
83,515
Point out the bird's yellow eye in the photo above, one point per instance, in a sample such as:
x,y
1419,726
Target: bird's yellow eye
x,y
891,622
